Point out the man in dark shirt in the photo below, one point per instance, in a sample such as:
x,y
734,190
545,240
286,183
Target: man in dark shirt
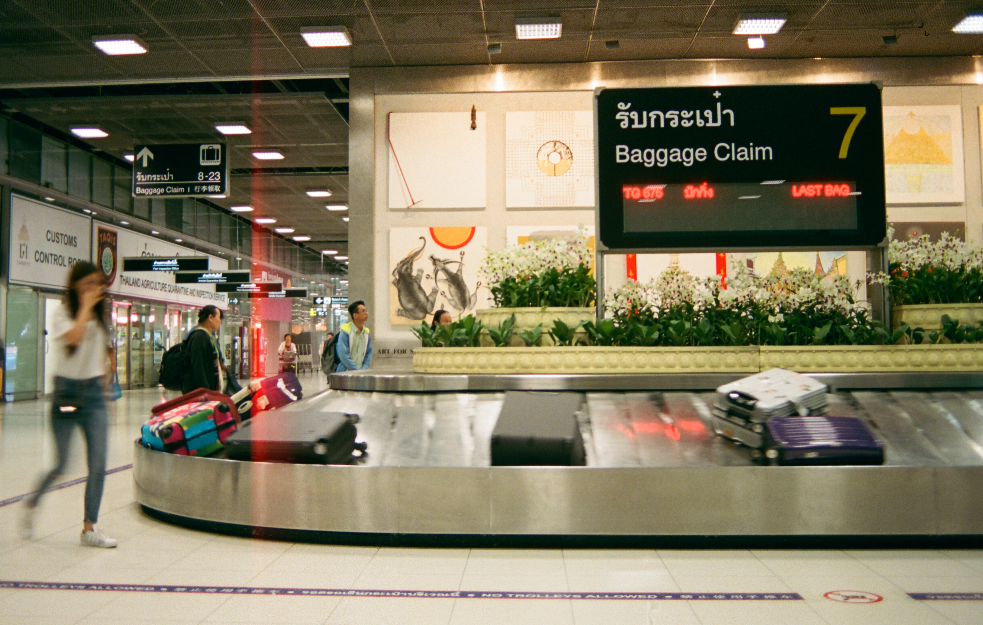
x,y
204,368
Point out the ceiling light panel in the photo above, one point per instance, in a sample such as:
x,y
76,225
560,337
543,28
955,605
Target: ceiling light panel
x,y
971,24
756,43
336,207
89,132
241,209
538,27
759,23
265,220
318,193
326,36
268,155
116,45
232,128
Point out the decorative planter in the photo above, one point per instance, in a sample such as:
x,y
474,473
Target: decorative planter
x,y
571,360
929,316
529,318
629,360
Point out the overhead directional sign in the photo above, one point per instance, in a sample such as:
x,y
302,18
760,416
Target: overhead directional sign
x,y
180,170
173,263
211,277
286,293
249,287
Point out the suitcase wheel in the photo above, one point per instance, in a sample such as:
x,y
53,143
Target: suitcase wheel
x,y
321,448
362,446
772,454
757,428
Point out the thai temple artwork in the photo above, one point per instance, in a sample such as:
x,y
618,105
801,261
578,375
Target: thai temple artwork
x,y
435,269
436,160
549,159
824,264
923,154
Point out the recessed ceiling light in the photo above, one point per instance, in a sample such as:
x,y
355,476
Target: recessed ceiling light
x,y
341,258
302,238
326,36
154,232
756,43
179,240
318,193
115,45
337,207
284,230
89,132
971,24
129,157
329,251
232,128
241,209
344,219
759,23
538,27
220,196
124,223
268,155
265,220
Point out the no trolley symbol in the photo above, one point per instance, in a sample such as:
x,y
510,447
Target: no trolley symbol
x,y
853,596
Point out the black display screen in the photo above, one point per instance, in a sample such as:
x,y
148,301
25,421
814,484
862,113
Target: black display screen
x,y
211,277
286,293
249,287
722,168
146,263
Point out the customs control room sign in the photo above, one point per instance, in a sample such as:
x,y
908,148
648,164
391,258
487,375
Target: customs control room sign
x,y
180,170
720,168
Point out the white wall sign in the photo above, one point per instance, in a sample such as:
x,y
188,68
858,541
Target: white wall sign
x,y
113,244
45,242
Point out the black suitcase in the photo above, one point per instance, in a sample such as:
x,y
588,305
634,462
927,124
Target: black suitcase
x,y
538,429
313,438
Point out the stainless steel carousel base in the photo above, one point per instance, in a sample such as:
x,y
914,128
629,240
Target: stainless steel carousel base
x,y
655,469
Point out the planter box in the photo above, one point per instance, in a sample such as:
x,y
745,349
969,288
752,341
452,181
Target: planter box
x,y
929,316
574,360
629,360
529,318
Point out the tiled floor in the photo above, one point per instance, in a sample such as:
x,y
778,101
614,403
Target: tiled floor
x,y
567,581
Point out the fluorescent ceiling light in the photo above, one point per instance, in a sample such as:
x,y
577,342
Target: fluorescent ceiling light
x,y
341,258
129,157
115,45
124,223
179,240
284,230
302,238
344,219
265,220
220,196
971,24
759,23
241,209
89,132
756,43
326,36
337,207
318,193
232,128
538,27
268,155
154,232
332,252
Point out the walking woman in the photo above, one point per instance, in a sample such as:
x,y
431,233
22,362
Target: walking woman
x,y
81,332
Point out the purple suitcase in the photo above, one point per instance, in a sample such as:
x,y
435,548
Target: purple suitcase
x,y
822,440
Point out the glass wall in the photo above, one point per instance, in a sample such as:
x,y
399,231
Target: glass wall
x,y
20,378
54,164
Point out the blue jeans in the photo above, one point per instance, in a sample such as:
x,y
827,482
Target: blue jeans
x,y
79,403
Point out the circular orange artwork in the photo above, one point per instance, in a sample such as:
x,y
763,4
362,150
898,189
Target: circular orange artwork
x,y
452,238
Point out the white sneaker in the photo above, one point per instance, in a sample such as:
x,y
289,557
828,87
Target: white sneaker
x,y
26,527
96,538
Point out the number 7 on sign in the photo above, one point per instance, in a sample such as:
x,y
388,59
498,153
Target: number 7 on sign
x,y
858,112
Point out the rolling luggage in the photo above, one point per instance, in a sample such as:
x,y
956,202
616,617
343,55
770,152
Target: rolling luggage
x,y
538,429
822,440
268,394
302,438
198,428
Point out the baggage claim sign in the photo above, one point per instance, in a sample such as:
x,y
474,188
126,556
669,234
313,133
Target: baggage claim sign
x,y
737,168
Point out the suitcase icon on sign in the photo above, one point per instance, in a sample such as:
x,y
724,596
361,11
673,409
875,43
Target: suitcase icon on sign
x,y
210,154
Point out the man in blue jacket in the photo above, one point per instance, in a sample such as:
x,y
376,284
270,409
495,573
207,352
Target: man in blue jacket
x,y
354,340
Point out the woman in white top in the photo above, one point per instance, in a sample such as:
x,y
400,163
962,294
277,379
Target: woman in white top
x,y
288,353
81,332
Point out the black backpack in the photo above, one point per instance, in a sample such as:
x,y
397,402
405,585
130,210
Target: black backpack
x,y
329,357
174,366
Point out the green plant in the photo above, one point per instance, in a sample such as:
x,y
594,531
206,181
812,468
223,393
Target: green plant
x,y
533,337
470,329
551,287
563,334
465,332
426,335
502,335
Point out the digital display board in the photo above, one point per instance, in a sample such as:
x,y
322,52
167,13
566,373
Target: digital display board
x,y
179,263
249,287
211,277
286,293
721,168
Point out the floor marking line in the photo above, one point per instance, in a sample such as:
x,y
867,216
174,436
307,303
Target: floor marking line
x,y
409,594
75,482
946,596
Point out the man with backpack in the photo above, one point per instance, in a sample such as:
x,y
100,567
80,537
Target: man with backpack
x,y
200,354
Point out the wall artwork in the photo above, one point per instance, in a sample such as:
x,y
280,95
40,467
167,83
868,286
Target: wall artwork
x,y
549,159
904,230
923,154
433,269
651,266
436,160
826,264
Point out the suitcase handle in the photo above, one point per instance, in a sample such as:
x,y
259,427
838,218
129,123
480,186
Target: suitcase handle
x,y
202,394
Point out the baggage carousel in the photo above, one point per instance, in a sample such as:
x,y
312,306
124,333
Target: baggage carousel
x,y
655,474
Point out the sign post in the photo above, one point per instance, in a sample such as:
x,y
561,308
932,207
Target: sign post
x,y
180,170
